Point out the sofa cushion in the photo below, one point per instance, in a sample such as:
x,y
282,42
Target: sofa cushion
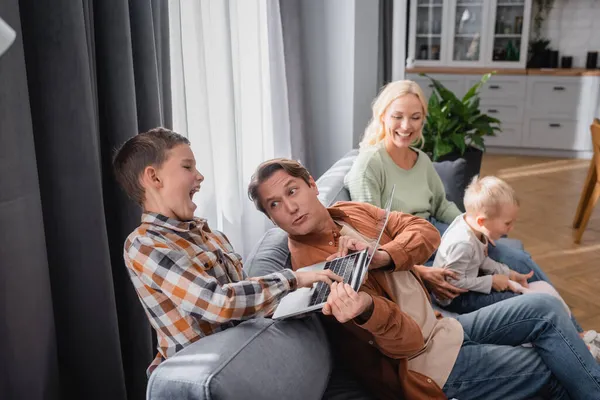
x,y
452,174
331,183
258,359
270,254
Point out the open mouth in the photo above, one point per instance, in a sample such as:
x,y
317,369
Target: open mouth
x,y
404,135
194,191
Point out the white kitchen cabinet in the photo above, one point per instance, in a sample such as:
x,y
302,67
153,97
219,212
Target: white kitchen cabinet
x,y
454,83
539,114
507,37
510,136
469,33
427,32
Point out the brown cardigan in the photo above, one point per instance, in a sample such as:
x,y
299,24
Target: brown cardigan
x,y
378,350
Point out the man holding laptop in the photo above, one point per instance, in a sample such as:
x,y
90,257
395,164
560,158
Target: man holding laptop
x,y
388,333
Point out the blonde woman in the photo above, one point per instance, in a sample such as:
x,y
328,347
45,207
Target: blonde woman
x,y
389,154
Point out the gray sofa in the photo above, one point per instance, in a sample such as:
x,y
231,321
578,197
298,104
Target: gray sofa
x,y
263,359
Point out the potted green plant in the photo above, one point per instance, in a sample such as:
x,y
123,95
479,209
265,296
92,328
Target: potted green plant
x,y
456,128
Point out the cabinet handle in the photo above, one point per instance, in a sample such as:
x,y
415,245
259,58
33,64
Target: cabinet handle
x,y
494,87
493,111
554,125
559,88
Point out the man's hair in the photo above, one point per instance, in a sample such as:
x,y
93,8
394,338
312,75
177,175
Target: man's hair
x,y
267,169
488,196
143,150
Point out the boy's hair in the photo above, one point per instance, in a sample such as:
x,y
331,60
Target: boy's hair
x,y
267,169
143,150
488,195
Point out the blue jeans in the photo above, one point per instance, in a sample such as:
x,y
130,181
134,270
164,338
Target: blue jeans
x,y
492,364
516,259
473,301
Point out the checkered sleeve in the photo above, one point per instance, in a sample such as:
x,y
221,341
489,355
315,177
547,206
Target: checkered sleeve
x,y
190,287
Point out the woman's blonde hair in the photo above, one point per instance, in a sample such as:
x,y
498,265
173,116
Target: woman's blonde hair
x,y
375,131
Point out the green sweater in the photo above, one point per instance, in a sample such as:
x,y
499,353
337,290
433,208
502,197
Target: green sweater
x,y
419,190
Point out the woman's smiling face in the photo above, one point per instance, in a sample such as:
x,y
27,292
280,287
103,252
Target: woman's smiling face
x,y
403,120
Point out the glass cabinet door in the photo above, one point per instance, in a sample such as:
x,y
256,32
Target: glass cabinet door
x,y
428,35
468,19
508,39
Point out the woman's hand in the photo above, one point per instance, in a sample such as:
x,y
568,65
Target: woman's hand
x,y
346,244
345,304
435,280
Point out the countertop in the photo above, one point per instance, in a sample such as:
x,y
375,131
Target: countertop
x,y
506,71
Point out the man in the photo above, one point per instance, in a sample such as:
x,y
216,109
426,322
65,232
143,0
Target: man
x,y
390,335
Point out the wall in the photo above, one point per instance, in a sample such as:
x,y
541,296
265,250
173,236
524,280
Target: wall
x,y
339,49
573,26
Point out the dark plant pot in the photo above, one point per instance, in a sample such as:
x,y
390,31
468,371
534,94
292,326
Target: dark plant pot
x,y
473,158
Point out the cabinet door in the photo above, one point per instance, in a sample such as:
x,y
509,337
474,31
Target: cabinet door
x,y
509,136
467,20
454,83
508,33
427,46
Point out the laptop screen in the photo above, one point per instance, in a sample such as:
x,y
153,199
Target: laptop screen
x,y
383,222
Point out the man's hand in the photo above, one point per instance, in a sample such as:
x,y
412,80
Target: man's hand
x,y
345,304
500,283
347,244
308,278
520,278
435,279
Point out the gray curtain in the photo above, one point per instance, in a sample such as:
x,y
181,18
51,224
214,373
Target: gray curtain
x,y
81,78
386,15
292,50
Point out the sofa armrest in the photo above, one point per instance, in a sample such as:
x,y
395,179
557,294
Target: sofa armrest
x,y
258,359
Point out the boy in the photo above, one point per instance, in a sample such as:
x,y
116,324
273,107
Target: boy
x,y
187,276
491,209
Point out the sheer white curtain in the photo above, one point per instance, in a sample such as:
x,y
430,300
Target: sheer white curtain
x,y
230,100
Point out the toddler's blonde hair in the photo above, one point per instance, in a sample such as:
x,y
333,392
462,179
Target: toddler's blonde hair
x,y
488,196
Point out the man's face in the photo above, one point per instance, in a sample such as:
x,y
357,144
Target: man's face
x,y
291,203
180,180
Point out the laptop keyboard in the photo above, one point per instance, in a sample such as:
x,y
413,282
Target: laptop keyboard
x,y
342,267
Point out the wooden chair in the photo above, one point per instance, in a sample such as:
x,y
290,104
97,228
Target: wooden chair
x,y
591,189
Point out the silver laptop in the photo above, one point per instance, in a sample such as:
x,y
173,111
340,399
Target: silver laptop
x,y
352,268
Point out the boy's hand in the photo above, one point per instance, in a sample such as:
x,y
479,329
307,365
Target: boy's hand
x,y
347,244
345,304
500,282
521,278
308,278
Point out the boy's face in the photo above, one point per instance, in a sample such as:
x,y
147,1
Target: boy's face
x,y
177,182
502,224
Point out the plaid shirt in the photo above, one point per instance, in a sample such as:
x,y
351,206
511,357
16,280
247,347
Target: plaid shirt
x,y
191,282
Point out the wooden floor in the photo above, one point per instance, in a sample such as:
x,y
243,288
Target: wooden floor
x,y
549,190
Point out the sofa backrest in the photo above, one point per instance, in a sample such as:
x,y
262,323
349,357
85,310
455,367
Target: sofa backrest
x,y
331,183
